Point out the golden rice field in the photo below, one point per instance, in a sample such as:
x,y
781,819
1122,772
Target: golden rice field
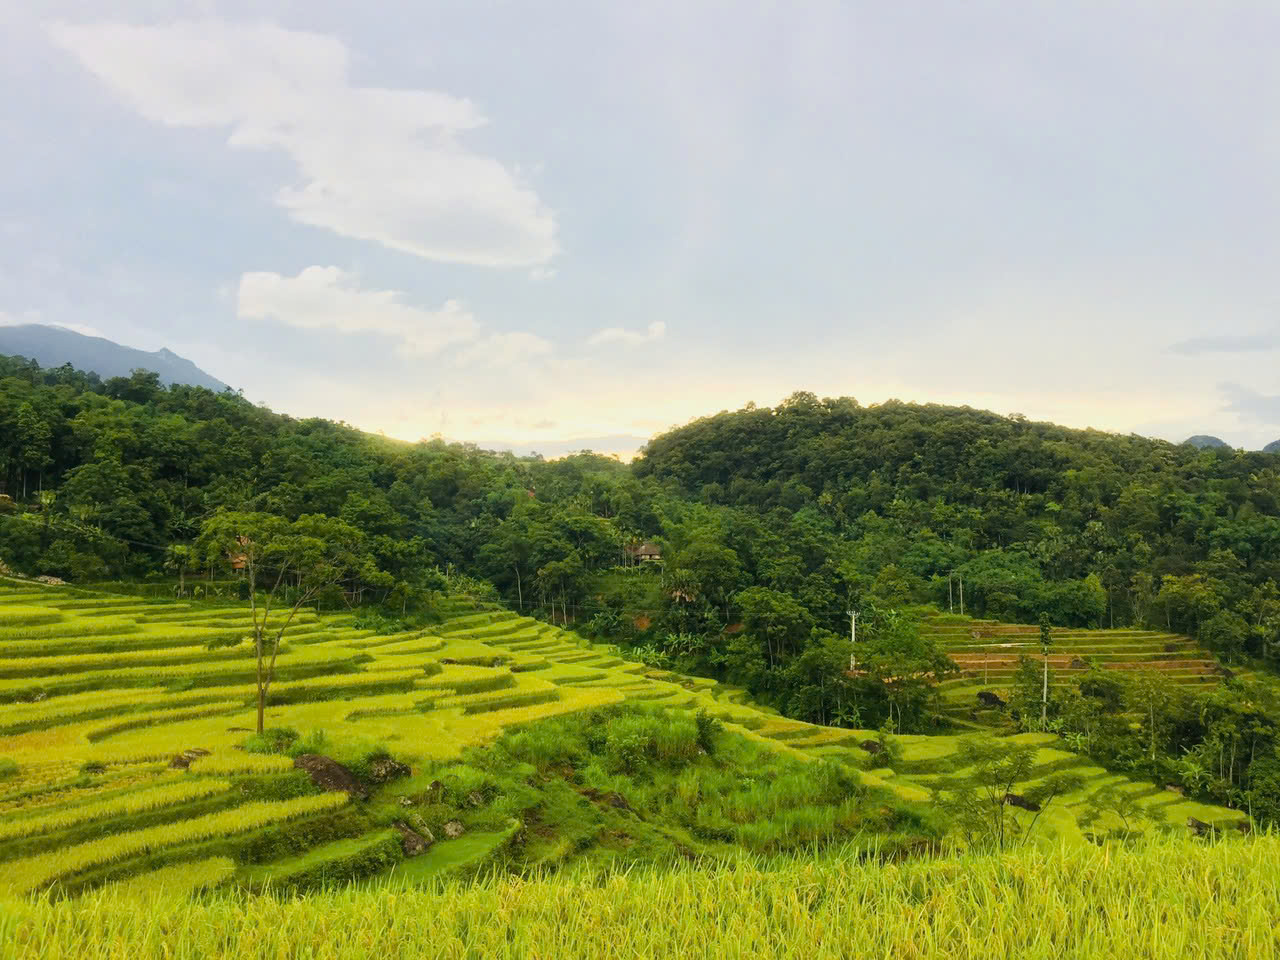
x,y
99,692
1166,899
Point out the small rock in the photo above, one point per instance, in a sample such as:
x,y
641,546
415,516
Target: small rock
x,y
446,660
1174,788
328,774
411,842
1198,827
422,828
475,799
406,801
387,768
454,829
182,761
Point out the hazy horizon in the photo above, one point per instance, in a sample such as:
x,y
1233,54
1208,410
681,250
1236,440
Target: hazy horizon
x,y
528,226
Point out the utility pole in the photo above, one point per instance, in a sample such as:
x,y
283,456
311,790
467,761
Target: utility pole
x,y
961,576
951,607
853,639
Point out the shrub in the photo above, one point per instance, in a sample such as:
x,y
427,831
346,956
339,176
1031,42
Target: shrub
x,y
8,768
271,740
709,730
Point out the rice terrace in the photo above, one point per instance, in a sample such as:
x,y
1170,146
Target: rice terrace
x,y
540,481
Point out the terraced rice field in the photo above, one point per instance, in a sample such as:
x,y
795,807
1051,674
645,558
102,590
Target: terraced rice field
x,y
99,693
988,651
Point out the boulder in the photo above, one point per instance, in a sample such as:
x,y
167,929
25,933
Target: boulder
x,y
411,842
387,768
406,801
871,746
1199,827
1021,802
1174,788
1078,664
421,826
454,829
328,774
475,798
989,699
182,761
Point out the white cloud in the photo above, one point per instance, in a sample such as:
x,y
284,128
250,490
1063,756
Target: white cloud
x,y
655,331
374,163
504,350
328,298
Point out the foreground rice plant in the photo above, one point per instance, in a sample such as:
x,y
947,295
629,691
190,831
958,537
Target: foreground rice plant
x,y
1169,898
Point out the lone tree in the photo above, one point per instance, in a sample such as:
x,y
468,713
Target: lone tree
x,y
291,563
1046,639
181,558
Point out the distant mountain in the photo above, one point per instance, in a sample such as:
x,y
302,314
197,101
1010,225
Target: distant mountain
x,y
53,346
1272,447
1201,441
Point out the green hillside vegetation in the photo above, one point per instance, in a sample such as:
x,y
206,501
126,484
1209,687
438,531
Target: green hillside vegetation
x,y
540,748
772,526
302,674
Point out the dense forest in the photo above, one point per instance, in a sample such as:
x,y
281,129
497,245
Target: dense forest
x,y
772,523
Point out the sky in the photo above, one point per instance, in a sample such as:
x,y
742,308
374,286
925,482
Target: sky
x,y
561,224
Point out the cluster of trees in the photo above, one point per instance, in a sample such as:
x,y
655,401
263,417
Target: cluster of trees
x,y
1220,743
775,525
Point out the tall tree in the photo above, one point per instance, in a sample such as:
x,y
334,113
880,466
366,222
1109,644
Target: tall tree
x,y
1046,639
290,563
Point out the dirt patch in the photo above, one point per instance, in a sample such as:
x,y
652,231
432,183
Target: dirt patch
x,y
609,799
328,774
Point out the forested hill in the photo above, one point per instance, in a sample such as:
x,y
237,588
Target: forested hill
x,y
772,523
854,456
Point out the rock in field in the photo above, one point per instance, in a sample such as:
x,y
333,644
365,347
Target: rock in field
x,y
328,774
454,829
412,842
387,768
181,761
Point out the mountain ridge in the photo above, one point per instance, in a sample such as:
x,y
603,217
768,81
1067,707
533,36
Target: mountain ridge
x,y
53,346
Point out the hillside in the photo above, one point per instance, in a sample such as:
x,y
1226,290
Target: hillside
x,y
52,346
124,727
1205,442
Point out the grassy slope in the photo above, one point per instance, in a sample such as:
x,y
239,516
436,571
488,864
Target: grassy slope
x,y
98,731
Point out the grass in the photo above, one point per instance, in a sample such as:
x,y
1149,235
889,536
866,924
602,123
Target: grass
x,y
1159,900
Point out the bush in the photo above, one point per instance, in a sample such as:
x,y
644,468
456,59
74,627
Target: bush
x,y
8,768
709,730
271,740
